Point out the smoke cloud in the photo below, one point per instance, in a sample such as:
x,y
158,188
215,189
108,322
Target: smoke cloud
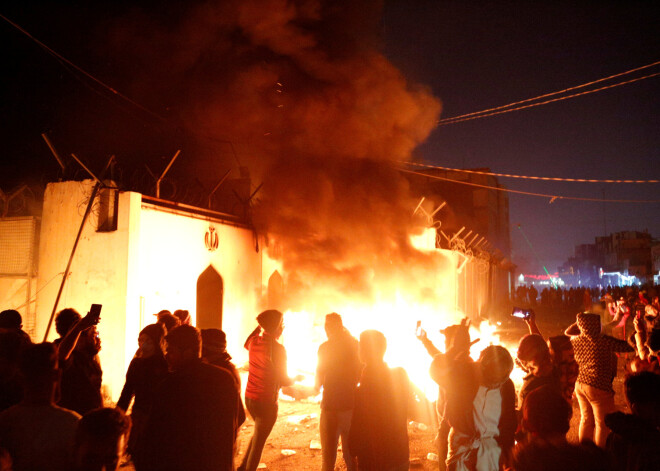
x,y
314,110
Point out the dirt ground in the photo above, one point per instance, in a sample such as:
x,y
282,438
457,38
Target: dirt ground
x,y
297,428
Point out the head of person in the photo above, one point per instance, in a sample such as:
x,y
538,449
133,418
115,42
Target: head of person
x,y
214,343
168,320
183,316
534,355
333,325
183,345
38,367
66,319
456,336
372,347
643,395
11,319
651,316
151,340
101,440
546,414
589,324
272,321
653,342
495,365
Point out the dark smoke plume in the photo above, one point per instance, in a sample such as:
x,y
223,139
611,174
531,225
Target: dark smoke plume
x,y
314,110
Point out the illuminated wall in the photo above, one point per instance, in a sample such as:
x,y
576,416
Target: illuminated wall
x,y
152,261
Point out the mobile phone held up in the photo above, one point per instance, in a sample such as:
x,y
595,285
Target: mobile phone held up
x,y
521,313
95,311
418,329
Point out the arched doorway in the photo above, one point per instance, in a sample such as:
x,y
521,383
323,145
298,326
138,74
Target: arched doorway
x,y
275,291
210,291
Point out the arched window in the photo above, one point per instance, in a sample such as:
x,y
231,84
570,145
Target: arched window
x,y
210,290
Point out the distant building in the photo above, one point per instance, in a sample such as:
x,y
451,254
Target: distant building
x,y
621,258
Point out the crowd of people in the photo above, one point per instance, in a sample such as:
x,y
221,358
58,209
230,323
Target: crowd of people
x,y
577,297
181,406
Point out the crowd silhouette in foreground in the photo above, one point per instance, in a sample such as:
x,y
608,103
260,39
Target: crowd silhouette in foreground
x,y
181,406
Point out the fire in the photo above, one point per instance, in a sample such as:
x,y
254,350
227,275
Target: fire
x,y
398,306
304,333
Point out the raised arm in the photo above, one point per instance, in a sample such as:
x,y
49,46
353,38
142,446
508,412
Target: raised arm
x,y
531,324
70,340
428,345
254,333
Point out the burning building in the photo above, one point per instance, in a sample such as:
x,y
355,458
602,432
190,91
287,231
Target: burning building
x,y
319,116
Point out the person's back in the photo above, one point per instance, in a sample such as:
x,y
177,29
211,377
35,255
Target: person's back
x,y
338,371
195,415
101,440
635,437
340,365
594,354
10,386
379,434
545,456
38,434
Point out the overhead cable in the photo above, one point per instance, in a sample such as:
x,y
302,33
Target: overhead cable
x,y
457,119
63,59
67,64
552,198
446,120
527,177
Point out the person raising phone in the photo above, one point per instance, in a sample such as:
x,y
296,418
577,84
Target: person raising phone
x,y
79,345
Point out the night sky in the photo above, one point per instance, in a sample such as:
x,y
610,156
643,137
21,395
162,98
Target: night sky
x,y
478,55
472,56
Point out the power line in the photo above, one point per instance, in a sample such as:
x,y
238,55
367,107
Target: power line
x,y
551,94
456,120
552,198
67,64
61,58
527,177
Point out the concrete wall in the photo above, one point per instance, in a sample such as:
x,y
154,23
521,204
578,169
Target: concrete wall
x,y
171,256
98,273
151,262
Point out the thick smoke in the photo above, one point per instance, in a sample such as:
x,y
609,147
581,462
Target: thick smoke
x,y
315,112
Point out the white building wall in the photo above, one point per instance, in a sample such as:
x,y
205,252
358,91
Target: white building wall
x,y
98,273
151,262
172,255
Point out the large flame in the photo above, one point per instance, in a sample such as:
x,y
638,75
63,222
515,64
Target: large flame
x,y
395,310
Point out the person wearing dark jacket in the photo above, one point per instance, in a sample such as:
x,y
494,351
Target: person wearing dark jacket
x,y
379,426
633,443
147,369
195,414
214,352
594,354
480,408
79,346
338,371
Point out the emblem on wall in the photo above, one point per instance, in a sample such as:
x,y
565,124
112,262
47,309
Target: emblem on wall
x,y
211,239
